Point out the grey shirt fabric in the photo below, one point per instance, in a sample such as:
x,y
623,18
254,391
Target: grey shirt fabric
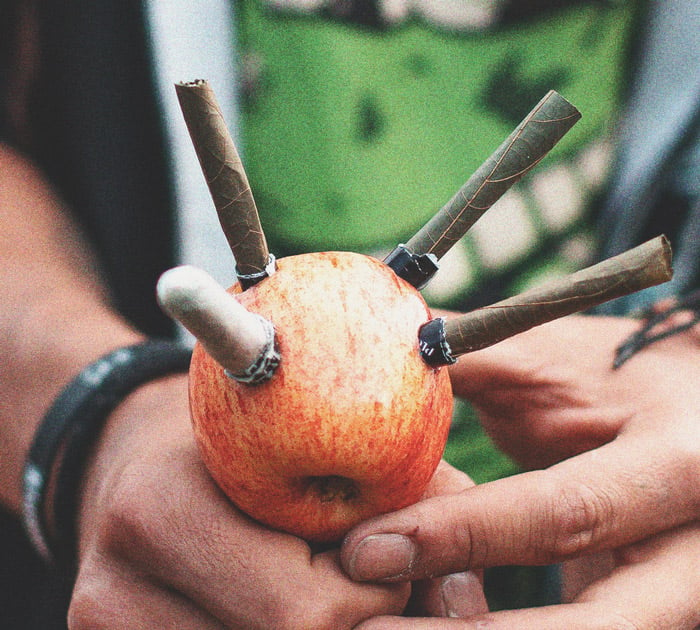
x,y
657,181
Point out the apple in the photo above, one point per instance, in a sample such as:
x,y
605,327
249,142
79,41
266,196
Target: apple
x,y
353,422
318,392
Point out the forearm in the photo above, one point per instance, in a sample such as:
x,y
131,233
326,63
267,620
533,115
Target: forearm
x,y
54,316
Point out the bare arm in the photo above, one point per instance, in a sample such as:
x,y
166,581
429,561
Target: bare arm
x,y
54,316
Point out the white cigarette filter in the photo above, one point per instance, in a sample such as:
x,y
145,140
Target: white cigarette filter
x,y
240,341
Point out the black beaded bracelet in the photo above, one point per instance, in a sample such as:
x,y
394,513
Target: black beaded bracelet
x,y
71,426
654,319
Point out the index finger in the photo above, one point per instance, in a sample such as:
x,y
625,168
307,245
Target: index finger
x,y
622,492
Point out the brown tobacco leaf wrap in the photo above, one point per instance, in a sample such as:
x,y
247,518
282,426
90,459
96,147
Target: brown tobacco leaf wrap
x,y
225,176
644,266
531,140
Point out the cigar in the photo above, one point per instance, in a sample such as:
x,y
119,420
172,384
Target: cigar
x,y
532,139
442,341
227,181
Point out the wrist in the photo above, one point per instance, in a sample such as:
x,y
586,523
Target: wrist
x,y
42,352
71,426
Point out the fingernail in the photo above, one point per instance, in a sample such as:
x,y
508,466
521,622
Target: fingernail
x,y
382,557
462,595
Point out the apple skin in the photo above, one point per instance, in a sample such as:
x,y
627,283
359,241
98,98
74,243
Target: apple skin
x,y
352,424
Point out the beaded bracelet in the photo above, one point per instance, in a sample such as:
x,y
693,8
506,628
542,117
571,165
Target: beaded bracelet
x,y
657,320
70,428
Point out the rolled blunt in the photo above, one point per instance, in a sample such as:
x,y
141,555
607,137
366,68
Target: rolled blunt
x,y
531,140
227,181
243,343
649,264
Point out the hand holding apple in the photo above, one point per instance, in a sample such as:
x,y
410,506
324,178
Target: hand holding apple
x,y
612,457
318,393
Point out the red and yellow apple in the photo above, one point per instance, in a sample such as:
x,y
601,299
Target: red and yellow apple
x,y
352,423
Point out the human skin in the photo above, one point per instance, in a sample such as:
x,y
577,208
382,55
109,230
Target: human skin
x,y
159,545
148,509
613,460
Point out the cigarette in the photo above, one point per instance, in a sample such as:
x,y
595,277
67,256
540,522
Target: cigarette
x,y
531,140
243,343
227,181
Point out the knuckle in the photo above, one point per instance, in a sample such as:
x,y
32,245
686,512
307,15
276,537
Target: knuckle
x,y
686,471
129,515
90,608
580,517
472,550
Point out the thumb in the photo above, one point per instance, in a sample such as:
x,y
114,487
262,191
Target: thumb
x,y
447,481
582,505
460,594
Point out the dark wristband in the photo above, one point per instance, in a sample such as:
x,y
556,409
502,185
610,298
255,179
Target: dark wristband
x,y
71,426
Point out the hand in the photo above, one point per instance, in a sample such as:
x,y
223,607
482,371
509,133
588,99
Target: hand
x,y
624,459
161,547
458,594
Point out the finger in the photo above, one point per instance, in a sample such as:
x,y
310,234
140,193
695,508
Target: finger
x,y
454,596
447,480
657,587
241,572
657,582
528,357
620,493
579,573
569,617
111,597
